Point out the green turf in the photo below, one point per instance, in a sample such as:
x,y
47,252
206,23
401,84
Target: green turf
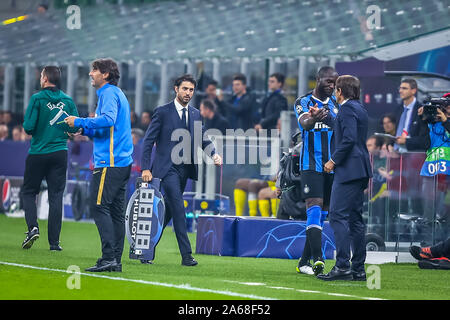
x,y
210,280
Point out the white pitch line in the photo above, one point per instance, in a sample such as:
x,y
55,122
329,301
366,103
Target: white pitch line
x,y
189,287
310,291
162,284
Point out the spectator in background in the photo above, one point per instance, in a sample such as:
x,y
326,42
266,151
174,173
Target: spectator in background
x,y
388,122
273,103
240,107
4,134
42,8
17,134
146,118
212,93
374,144
1,116
378,187
412,134
137,134
134,119
8,121
411,131
213,119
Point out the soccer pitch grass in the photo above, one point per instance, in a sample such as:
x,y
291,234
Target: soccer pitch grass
x,y
39,274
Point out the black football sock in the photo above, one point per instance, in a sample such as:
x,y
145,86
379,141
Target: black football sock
x,y
306,255
315,239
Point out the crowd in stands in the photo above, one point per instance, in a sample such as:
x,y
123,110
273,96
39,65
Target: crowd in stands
x,y
11,127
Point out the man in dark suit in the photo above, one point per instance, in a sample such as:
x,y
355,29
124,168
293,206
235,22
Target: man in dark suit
x,y
273,103
412,131
352,170
412,135
174,168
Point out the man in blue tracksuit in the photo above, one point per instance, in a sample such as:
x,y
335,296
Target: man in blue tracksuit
x,y
113,146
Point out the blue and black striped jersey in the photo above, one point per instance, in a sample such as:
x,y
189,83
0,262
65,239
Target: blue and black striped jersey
x,y
316,149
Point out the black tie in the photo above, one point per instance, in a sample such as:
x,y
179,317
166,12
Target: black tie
x,y
183,118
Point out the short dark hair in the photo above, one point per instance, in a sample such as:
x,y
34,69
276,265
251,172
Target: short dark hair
x,y
390,116
279,76
323,71
108,65
209,104
379,141
185,77
53,74
240,77
412,83
213,83
349,85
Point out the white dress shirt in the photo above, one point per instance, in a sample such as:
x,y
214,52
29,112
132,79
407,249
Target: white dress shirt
x,y
180,108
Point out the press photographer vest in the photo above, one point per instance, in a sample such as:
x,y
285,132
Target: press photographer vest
x,y
438,156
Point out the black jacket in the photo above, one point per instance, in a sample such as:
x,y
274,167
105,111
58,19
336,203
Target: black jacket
x,y
241,116
419,139
271,108
217,122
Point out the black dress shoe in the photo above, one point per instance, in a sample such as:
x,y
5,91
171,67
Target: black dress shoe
x,y
103,265
336,274
117,268
359,276
189,261
55,247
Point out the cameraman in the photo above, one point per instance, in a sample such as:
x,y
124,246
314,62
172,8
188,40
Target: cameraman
x,y
444,117
436,168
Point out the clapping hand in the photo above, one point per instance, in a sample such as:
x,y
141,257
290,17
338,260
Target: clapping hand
x,y
318,114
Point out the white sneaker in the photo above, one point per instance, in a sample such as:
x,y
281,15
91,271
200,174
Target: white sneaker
x,y
306,269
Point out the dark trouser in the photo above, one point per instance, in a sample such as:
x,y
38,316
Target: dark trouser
x,y
107,207
173,185
52,167
346,220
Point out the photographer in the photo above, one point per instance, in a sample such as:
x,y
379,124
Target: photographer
x,y
436,168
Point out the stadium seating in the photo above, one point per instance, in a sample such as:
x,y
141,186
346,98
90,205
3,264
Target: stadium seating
x,y
176,30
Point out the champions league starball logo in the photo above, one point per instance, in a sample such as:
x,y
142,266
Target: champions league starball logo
x,y
144,219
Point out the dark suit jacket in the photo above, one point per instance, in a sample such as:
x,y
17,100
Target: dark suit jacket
x,y
418,130
350,153
164,121
271,109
